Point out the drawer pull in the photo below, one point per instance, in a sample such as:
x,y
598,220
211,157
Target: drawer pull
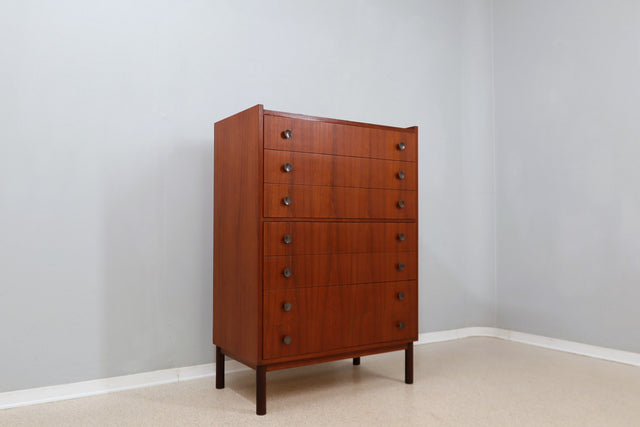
x,y
400,296
287,273
402,146
287,167
400,325
401,267
401,175
400,204
287,134
286,306
287,239
287,339
401,237
287,201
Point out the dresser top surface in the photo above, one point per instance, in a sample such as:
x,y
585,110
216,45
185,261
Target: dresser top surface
x,y
411,129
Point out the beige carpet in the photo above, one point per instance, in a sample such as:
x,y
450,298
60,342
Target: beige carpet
x,y
469,382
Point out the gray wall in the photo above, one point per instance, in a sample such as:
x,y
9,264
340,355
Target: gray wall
x,y
567,113
106,160
457,237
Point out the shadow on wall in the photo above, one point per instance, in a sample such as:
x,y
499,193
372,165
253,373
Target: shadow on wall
x,y
158,265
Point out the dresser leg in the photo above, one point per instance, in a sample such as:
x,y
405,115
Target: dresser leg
x,y
408,364
261,390
219,368
356,361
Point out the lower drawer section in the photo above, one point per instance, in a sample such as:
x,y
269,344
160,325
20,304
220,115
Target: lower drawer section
x,y
326,237
301,271
314,320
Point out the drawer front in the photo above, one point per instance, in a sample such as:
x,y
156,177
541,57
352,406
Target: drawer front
x,y
286,167
299,238
346,140
332,317
302,201
301,271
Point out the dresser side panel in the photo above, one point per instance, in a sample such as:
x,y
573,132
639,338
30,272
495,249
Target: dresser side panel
x,y
416,307
237,254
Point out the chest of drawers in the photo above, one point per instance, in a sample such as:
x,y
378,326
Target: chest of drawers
x,y
315,242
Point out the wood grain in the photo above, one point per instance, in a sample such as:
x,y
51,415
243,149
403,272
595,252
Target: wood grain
x,y
338,121
338,269
330,317
341,139
338,237
338,171
338,202
237,253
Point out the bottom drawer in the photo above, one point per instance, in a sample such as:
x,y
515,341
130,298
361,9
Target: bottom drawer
x,y
318,319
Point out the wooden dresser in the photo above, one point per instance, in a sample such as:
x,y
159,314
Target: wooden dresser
x,y
315,242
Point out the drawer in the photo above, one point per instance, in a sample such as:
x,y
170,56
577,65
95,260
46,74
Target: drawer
x,y
306,201
287,167
301,271
332,317
342,139
299,238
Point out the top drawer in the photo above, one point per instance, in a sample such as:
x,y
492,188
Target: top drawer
x,y
341,139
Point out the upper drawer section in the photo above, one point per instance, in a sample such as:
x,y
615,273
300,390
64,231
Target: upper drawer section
x,y
285,167
341,139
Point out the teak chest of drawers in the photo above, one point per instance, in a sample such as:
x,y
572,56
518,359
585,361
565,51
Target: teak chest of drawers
x,y
315,242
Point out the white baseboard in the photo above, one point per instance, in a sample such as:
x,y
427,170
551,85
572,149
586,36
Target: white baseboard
x,y
454,334
54,393
610,354
594,351
33,396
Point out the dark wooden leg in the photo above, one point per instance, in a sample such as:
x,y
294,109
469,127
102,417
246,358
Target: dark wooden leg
x,y
356,361
219,368
261,390
408,364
